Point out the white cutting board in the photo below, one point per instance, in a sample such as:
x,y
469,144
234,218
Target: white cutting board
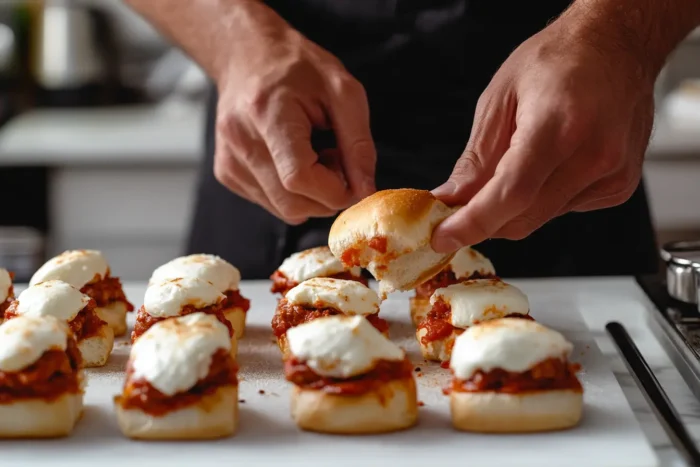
x,y
608,435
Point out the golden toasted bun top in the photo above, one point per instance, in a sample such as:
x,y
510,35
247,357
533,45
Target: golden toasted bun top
x,y
386,212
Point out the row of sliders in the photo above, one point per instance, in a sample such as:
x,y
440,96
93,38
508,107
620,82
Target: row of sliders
x,y
313,284
510,374
350,379
86,271
77,288
183,353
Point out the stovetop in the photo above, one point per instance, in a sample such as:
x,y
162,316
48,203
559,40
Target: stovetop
x,y
677,327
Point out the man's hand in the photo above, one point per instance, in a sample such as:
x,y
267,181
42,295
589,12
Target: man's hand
x,y
563,126
275,87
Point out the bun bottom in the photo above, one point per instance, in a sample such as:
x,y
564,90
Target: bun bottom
x,y
394,407
439,350
491,412
114,315
96,349
409,270
236,317
214,416
419,309
38,418
283,344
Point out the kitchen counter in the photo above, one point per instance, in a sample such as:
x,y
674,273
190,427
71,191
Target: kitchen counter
x,y
599,300
169,133
172,133
631,310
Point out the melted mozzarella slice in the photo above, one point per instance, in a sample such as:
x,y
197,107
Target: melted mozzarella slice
x,y
511,344
222,274
174,354
314,262
24,339
340,346
467,261
51,298
348,297
76,267
166,299
480,300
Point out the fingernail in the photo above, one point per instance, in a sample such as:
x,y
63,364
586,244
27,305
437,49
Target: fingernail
x,y
446,189
446,244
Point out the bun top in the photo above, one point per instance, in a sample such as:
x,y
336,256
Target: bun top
x,y
314,262
51,298
406,217
389,233
348,297
341,346
511,344
166,299
173,354
480,300
467,261
75,267
5,284
222,274
24,339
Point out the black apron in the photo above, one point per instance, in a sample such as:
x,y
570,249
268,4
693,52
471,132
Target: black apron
x,y
424,64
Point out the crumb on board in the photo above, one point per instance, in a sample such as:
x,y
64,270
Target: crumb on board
x,y
242,401
421,403
419,375
260,391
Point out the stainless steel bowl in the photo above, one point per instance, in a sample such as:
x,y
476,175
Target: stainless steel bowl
x,y
683,270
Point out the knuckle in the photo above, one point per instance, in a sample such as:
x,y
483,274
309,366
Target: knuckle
x,y
292,180
467,165
610,161
345,84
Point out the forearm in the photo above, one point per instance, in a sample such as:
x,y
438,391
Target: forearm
x,y
648,30
213,32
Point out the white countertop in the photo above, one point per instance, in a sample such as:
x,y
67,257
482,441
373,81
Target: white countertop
x,y
631,304
598,300
165,134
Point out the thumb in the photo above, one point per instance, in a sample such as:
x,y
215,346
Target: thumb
x,y
349,112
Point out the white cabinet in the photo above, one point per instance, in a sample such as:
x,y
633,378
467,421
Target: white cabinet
x,y
137,216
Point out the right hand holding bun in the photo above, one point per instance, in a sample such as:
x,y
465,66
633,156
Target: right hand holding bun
x,y
276,87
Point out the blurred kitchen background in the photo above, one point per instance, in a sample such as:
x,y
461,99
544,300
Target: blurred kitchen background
x,y
101,125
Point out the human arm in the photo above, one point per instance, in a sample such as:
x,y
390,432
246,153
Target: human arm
x,y
564,123
275,86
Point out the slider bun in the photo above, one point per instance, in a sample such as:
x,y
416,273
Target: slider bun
x,y
394,407
236,317
114,315
491,412
420,307
406,218
283,344
37,418
439,350
96,349
214,416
